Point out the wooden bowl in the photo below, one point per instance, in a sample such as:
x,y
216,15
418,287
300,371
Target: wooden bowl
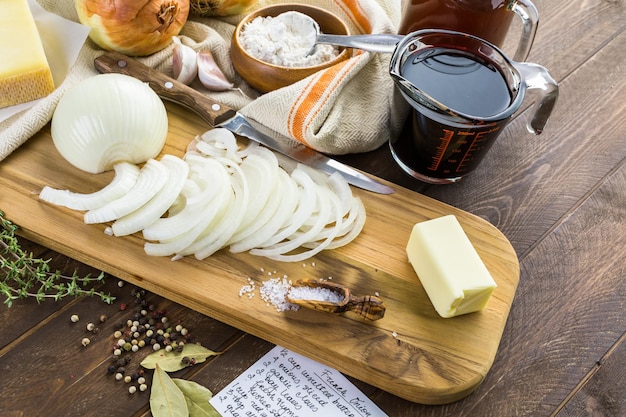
x,y
266,77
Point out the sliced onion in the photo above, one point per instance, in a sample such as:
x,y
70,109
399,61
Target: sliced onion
x,y
182,242
159,204
250,147
218,142
289,245
261,172
306,202
217,236
197,197
107,119
125,177
286,207
341,187
330,203
358,209
219,196
151,179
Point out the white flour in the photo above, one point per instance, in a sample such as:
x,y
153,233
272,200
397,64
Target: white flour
x,y
284,40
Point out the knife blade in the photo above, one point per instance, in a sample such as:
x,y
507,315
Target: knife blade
x,y
219,115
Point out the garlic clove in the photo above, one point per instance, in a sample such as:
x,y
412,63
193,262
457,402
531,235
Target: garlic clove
x,y
210,75
184,62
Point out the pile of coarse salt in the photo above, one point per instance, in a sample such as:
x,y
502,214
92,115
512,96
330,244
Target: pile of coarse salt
x,y
314,294
274,292
284,40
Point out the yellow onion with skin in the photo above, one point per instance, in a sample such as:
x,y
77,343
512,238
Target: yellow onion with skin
x,y
133,27
221,7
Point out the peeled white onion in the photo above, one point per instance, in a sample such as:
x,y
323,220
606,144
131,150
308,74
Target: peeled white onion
x,y
107,119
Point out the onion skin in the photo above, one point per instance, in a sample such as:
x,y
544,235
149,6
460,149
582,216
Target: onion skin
x,y
133,27
221,7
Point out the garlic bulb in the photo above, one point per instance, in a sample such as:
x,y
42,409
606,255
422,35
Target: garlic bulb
x,y
106,119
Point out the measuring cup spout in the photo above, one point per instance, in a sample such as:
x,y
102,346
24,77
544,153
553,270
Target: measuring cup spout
x,y
536,77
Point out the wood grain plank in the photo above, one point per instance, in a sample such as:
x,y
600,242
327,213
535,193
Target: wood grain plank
x,y
31,314
50,373
603,393
375,262
570,310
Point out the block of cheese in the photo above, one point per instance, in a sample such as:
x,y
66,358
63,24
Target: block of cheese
x,y
449,268
24,71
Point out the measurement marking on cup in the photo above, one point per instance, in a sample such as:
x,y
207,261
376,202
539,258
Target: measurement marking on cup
x,y
475,146
441,149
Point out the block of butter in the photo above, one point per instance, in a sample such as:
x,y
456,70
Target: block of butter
x,y
24,71
448,266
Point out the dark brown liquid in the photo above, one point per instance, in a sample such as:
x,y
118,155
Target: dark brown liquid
x,y
458,81
435,147
487,19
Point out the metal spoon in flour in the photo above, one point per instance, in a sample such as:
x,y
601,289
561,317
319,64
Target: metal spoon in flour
x,y
380,42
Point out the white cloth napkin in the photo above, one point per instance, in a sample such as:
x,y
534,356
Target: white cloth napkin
x,y
348,108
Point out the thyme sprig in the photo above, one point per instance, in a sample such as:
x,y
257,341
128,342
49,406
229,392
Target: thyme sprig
x,y
24,275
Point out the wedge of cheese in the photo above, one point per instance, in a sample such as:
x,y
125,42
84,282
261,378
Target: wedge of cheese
x,y
449,268
24,71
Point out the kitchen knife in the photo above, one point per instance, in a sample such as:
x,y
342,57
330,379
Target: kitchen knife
x,y
218,115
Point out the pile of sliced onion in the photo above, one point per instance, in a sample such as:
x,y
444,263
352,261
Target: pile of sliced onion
x,y
219,196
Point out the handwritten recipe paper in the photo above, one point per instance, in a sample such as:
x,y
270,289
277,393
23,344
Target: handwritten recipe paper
x,y
283,383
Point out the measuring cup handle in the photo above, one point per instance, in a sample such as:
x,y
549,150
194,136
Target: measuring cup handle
x,y
537,77
527,11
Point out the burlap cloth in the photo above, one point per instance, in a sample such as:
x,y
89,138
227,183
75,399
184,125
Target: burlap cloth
x,y
352,107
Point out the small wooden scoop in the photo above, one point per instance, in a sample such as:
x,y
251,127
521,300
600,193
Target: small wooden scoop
x,y
369,306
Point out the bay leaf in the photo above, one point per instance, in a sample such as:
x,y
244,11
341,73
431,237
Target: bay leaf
x,y
197,398
172,361
166,399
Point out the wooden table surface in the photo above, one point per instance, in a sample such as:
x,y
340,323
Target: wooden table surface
x,y
559,198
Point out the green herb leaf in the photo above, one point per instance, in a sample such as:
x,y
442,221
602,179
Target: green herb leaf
x,y
22,275
173,361
166,399
197,398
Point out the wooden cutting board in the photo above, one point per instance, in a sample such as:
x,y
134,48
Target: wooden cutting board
x,y
411,352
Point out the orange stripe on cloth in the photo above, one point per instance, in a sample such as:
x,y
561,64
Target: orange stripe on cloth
x,y
353,9
314,96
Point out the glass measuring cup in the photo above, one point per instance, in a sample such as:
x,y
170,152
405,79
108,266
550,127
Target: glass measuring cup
x,y
463,91
487,19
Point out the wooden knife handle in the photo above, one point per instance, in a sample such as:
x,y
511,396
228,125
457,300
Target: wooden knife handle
x,y
166,87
